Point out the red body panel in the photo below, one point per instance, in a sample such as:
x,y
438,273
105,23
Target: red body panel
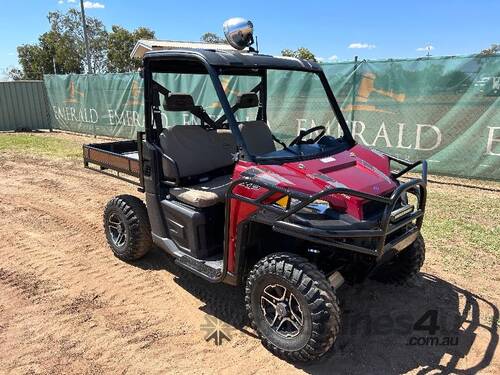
x,y
359,168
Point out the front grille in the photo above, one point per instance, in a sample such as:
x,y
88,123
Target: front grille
x,y
372,208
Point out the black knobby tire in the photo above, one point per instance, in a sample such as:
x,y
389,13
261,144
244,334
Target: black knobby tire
x,y
131,214
311,290
404,265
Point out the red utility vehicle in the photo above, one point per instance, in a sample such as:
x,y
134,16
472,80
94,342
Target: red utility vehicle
x,y
233,203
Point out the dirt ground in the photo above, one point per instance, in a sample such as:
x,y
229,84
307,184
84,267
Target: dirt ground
x,y
68,306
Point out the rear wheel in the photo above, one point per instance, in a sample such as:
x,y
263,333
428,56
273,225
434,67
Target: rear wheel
x,y
292,307
404,265
127,227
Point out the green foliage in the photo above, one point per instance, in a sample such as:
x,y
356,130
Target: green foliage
x,y
64,46
212,38
288,52
493,50
32,59
70,25
120,44
15,74
301,53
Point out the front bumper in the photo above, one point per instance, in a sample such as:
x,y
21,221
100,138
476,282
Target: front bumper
x,y
381,238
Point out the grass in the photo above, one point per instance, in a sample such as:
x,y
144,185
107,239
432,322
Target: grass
x,y
40,144
463,225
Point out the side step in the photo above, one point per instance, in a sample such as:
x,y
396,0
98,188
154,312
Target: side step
x,y
210,272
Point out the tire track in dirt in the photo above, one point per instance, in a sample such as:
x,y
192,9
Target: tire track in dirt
x,y
39,338
73,317
63,219
53,248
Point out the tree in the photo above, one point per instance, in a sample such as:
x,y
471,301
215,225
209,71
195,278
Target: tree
x,y
15,74
493,50
301,53
52,49
120,44
212,38
32,62
70,25
288,52
61,50
63,46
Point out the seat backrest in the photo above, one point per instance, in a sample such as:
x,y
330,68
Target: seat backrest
x,y
258,137
195,150
226,141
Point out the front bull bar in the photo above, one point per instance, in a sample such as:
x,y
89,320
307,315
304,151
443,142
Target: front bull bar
x,y
276,216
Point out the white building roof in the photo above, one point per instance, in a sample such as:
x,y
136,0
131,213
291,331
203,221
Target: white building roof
x,y
143,46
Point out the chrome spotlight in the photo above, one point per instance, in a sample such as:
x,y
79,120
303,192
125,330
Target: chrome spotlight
x,y
238,32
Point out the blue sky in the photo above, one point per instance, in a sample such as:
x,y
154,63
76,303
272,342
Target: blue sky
x,y
331,29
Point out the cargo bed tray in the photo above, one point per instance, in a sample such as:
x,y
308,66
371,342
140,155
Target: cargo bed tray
x,y
120,157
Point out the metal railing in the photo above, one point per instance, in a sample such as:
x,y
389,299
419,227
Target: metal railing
x,y
335,237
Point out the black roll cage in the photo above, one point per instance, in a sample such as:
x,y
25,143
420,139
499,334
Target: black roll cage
x,y
198,62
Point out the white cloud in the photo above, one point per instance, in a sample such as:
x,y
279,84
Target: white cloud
x,y
362,45
11,54
60,2
327,59
428,47
91,5
71,1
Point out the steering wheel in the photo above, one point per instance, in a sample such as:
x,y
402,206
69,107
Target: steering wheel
x,y
303,133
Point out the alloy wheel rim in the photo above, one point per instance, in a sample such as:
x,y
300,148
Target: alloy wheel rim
x,y
281,310
117,230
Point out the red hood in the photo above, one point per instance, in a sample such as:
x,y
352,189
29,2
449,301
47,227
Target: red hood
x,y
359,169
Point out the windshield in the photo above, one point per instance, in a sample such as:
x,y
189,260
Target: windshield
x,y
301,121
297,101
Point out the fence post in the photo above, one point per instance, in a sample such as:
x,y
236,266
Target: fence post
x,y
353,100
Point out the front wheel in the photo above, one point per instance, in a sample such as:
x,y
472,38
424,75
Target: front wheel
x,y
292,307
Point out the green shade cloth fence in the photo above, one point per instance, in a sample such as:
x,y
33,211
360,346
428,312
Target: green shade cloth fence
x,y
443,109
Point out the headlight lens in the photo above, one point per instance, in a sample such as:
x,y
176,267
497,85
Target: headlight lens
x,y
318,206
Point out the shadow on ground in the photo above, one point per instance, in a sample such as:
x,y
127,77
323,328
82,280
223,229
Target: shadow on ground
x,y
379,335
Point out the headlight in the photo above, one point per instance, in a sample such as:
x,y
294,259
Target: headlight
x,y
318,206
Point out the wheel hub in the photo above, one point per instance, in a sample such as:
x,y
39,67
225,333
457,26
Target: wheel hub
x,y
282,310
117,230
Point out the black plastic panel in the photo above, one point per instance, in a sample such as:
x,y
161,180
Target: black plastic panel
x,y
198,232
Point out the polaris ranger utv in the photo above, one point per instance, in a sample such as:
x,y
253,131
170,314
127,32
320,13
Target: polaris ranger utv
x,y
233,203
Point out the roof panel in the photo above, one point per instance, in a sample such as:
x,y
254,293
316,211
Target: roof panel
x,y
143,45
235,59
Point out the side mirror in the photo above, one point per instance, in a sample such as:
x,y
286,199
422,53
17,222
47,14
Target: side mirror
x,y
238,32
